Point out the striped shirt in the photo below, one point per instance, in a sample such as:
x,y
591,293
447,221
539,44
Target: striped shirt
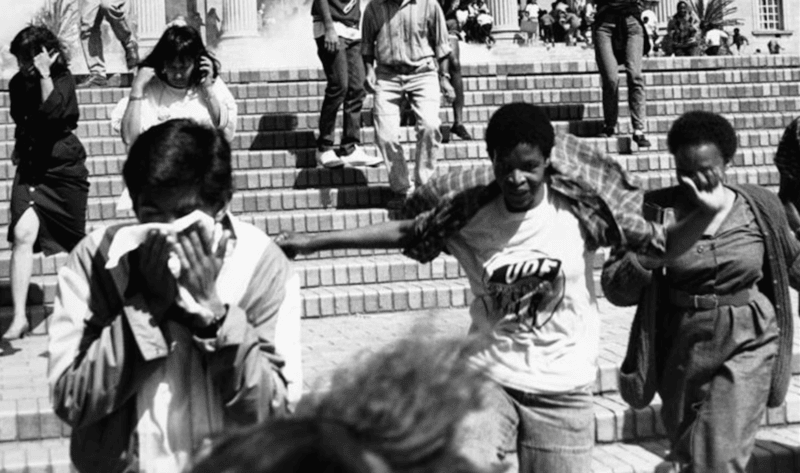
x,y
404,33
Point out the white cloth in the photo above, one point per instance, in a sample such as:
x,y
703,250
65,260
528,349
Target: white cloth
x,y
131,237
342,30
531,275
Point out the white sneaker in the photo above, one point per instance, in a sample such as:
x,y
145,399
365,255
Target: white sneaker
x,y
329,159
359,158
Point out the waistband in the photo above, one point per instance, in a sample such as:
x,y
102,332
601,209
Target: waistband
x,y
427,66
686,300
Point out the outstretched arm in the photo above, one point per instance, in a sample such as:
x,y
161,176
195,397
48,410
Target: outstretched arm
x,y
392,234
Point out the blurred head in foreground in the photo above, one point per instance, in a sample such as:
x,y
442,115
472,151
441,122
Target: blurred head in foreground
x,y
397,410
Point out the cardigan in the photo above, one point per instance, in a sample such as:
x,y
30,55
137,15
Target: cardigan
x,y
625,282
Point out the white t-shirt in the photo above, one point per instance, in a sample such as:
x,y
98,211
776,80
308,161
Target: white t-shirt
x,y
714,37
532,278
533,11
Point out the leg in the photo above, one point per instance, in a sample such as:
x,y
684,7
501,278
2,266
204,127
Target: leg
x,y
116,13
556,433
635,78
335,66
488,438
457,81
721,363
607,65
25,232
354,99
425,97
388,95
91,38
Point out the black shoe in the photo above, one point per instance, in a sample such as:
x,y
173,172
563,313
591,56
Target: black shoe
x,y
131,54
641,140
460,131
94,80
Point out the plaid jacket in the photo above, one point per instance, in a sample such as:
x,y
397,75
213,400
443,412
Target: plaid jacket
x,y
604,198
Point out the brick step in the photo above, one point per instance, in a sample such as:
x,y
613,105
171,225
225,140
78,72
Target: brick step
x,y
32,418
476,80
777,450
95,117
293,168
359,197
255,141
581,122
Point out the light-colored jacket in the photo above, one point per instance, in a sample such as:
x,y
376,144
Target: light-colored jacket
x,y
142,395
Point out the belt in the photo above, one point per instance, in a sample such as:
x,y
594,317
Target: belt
x,y
686,300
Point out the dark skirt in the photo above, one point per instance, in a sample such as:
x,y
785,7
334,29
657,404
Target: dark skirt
x,y
58,195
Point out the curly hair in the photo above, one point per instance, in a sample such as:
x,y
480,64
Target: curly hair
x,y
699,127
181,153
30,41
400,407
179,43
517,123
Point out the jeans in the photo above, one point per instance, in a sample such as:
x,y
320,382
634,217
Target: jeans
x,y
424,96
345,72
526,432
92,14
608,66
715,385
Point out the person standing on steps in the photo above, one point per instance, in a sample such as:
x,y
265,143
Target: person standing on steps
x,y
450,7
92,13
51,187
619,37
406,53
525,230
339,49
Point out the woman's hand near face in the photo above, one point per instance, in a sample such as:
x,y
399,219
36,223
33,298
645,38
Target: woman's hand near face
x,y
43,61
207,72
200,266
706,189
143,76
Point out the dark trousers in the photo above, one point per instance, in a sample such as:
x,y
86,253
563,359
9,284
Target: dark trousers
x,y
344,69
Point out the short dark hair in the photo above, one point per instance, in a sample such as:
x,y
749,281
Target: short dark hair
x,y
30,41
179,42
699,127
516,123
181,153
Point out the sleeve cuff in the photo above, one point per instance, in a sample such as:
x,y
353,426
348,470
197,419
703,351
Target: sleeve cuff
x,y
232,332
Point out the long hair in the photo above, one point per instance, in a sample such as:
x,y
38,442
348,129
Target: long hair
x,y
179,43
395,411
30,41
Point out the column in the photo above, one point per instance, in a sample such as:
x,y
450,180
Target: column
x,y
150,18
239,19
506,18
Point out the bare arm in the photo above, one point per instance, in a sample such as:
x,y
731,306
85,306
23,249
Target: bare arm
x,y
392,234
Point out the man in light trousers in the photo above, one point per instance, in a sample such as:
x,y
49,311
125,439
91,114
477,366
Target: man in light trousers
x,y
405,49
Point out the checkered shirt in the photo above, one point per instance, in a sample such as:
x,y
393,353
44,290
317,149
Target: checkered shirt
x,y
604,198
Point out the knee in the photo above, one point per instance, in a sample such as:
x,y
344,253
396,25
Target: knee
x,y
25,234
454,63
336,88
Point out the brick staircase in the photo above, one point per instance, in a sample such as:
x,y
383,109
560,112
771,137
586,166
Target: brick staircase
x,y
280,189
